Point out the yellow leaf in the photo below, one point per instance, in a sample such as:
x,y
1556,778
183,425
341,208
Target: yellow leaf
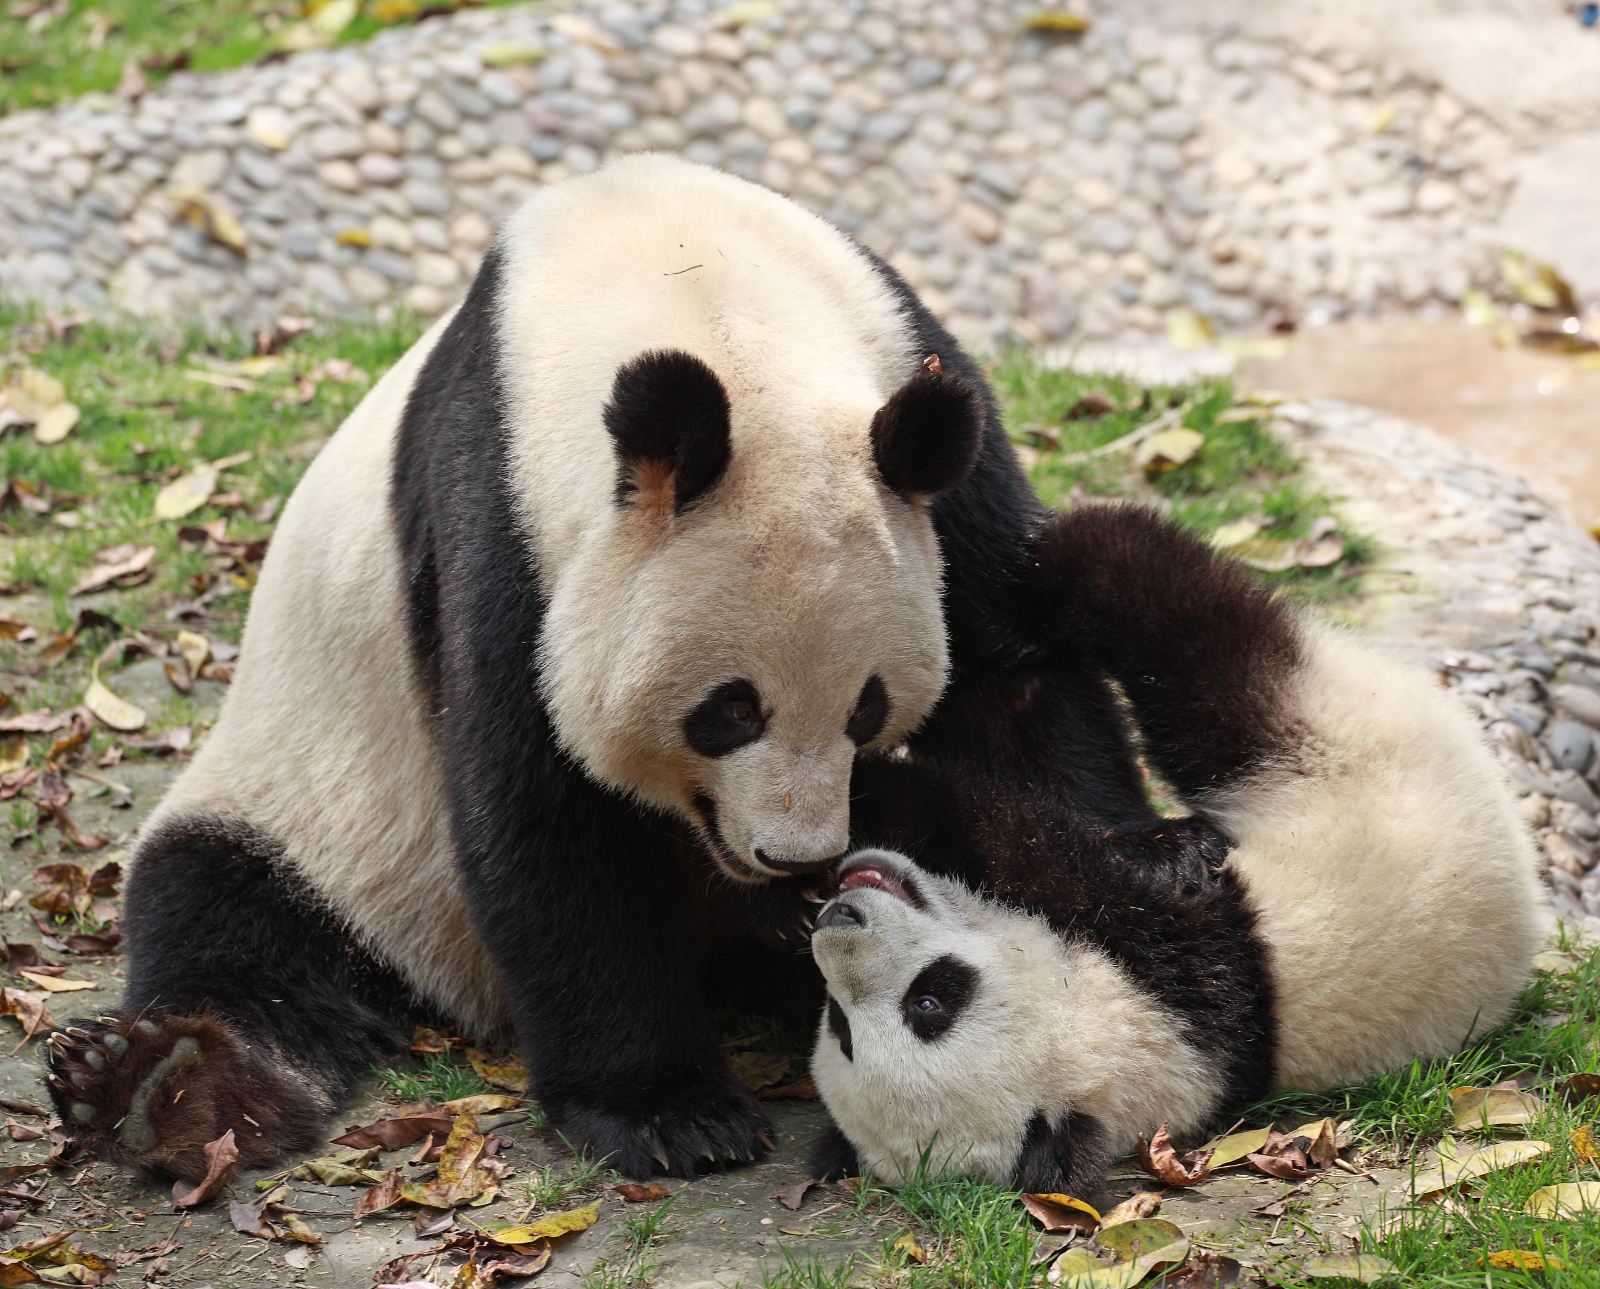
x,y
1492,1107
1536,283
330,17
1454,1167
387,11
1521,1260
1168,450
907,1244
1230,1150
1566,1199
1361,1267
512,53
116,712
13,753
1187,329
1056,1212
56,423
1583,1145
1555,962
1226,535
550,1227
1138,1205
56,984
1382,117
45,390
261,365
195,649
503,1071
1055,22
482,1103
1477,308
1137,1248
187,493
353,237
211,217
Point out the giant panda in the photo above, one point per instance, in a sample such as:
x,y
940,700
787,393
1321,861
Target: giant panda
x,y
1358,891
557,674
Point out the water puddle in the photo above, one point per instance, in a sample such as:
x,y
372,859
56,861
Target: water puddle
x,y
1536,414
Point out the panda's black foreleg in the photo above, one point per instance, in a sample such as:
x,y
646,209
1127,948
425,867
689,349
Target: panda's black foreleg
x,y
1200,646
247,1007
574,895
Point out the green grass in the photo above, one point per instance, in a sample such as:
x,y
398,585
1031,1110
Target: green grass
x,y
554,1186
1244,471
435,1077
640,1233
57,56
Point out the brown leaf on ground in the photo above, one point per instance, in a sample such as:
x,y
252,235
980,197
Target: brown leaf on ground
x,y
40,721
221,1155
160,1249
20,956
1280,1206
1163,1162
104,940
23,1264
641,1192
1579,1087
465,1176
519,1266
284,330
394,1131
351,1166
1205,1270
247,1219
425,1041
1140,1204
1058,1213
800,1090
757,1070
17,781
28,1007
123,566
385,1195
791,1197
502,1071
64,888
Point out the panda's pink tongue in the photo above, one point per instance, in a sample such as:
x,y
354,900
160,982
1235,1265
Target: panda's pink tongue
x,y
873,877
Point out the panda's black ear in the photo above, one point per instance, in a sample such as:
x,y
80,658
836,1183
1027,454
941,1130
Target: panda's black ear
x,y
668,417
927,436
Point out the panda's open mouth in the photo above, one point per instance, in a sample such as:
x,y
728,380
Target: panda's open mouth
x,y
870,872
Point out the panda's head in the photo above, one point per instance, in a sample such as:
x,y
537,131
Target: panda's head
x,y
940,1045
763,599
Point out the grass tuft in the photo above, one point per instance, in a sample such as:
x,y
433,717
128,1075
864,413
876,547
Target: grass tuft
x,y
435,1077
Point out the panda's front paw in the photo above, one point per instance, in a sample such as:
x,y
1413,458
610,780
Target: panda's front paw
x,y
693,1125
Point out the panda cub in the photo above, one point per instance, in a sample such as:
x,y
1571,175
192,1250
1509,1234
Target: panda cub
x,y
1360,891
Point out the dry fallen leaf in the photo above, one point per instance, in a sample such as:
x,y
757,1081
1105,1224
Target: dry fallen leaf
x,y
56,423
1121,1256
502,1071
187,493
397,1130
211,216
221,1155
118,713
1579,1087
351,1166
125,565
465,1175
385,1195
1454,1165
1139,1204
1503,1105
550,1227
1057,1213
1566,1199
1363,1268
907,1244
56,984
791,1197
1161,1160
28,1009
1168,450
641,1192
1234,1147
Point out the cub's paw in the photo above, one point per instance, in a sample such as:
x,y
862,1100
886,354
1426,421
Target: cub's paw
x,y
832,1157
150,1090
688,1127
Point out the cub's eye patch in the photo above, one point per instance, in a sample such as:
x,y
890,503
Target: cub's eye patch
x,y
839,1027
871,713
934,1001
726,719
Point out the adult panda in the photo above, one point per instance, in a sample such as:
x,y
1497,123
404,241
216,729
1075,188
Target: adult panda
x,y
560,659
1367,894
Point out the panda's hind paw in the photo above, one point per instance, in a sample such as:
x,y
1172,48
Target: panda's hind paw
x,y
150,1090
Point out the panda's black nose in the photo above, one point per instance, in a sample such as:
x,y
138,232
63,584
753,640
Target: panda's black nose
x,y
841,914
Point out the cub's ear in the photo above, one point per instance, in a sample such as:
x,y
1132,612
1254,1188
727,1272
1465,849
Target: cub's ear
x,y
927,436
668,417
1070,1158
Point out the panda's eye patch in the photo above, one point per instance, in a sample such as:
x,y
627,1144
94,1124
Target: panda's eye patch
x,y
871,713
935,1000
725,719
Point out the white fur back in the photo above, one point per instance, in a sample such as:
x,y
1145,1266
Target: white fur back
x,y
1395,882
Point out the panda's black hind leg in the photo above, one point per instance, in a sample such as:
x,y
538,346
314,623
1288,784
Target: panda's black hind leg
x,y
247,1007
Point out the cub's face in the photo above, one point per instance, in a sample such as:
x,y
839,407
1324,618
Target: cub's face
x,y
937,1046
760,606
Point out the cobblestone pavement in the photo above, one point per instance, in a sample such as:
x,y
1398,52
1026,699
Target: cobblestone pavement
x,y
1033,186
